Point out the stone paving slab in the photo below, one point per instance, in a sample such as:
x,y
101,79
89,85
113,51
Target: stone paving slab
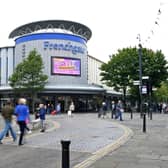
x,y
23,157
143,150
87,133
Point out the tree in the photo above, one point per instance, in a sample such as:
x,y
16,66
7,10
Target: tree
x,y
161,94
123,68
117,73
28,76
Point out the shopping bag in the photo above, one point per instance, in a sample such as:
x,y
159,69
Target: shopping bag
x,y
69,112
53,112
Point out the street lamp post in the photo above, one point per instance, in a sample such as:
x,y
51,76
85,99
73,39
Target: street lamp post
x,y
135,83
140,84
148,91
150,96
140,76
140,89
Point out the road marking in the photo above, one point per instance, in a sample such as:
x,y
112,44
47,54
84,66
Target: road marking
x,y
107,149
56,125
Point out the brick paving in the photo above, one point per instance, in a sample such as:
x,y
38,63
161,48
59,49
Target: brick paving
x,y
143,150
88,134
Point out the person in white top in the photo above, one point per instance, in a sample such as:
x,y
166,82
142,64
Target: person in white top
x,y
71,109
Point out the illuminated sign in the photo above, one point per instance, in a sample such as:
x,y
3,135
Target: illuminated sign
x,y
65,66
66,47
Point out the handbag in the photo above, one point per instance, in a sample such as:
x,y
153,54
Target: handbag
x,y
53,112
122,110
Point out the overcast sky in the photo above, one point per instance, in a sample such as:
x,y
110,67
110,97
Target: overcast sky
x,y
115,24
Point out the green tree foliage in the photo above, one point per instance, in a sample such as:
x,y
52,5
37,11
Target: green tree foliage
x,y
28,76
161,94
117,72
155,66
123,68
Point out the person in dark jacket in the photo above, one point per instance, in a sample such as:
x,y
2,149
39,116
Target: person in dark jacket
x,y
113,109
104,108
42,113
119,110
22,113
7,112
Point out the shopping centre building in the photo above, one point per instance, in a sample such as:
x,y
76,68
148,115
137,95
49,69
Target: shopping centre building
x,y
73,75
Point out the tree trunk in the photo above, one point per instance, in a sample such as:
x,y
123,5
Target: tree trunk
x,y
33,102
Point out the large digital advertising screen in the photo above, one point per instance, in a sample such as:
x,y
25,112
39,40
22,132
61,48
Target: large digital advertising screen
x,y
65,66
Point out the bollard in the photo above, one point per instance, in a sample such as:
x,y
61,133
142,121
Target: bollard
x,y
99,115
112,114
144,122
65,153
131,114
150,114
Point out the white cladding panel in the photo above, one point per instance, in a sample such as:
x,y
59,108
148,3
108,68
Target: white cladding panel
x,y
10,61
3,66
94,71
7,62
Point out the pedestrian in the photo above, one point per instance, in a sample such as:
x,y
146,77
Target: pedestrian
x,y
119,110
42,113
160,108
71,109
22,113
7,134
27,128
58,108
7,112
48,110
113,109
104,108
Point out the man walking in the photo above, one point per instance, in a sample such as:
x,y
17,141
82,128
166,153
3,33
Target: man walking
x,y
7,113
104,108
22,113
113,109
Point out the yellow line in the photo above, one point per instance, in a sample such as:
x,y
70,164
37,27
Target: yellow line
x,y
107,149
56,126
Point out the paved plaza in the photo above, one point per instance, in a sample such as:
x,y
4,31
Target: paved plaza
x,y
143,150
95,143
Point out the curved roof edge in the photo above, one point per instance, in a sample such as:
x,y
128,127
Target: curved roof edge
x,y
86,89
74,27
113,92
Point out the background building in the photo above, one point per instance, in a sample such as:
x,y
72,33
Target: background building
x,y
72,74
